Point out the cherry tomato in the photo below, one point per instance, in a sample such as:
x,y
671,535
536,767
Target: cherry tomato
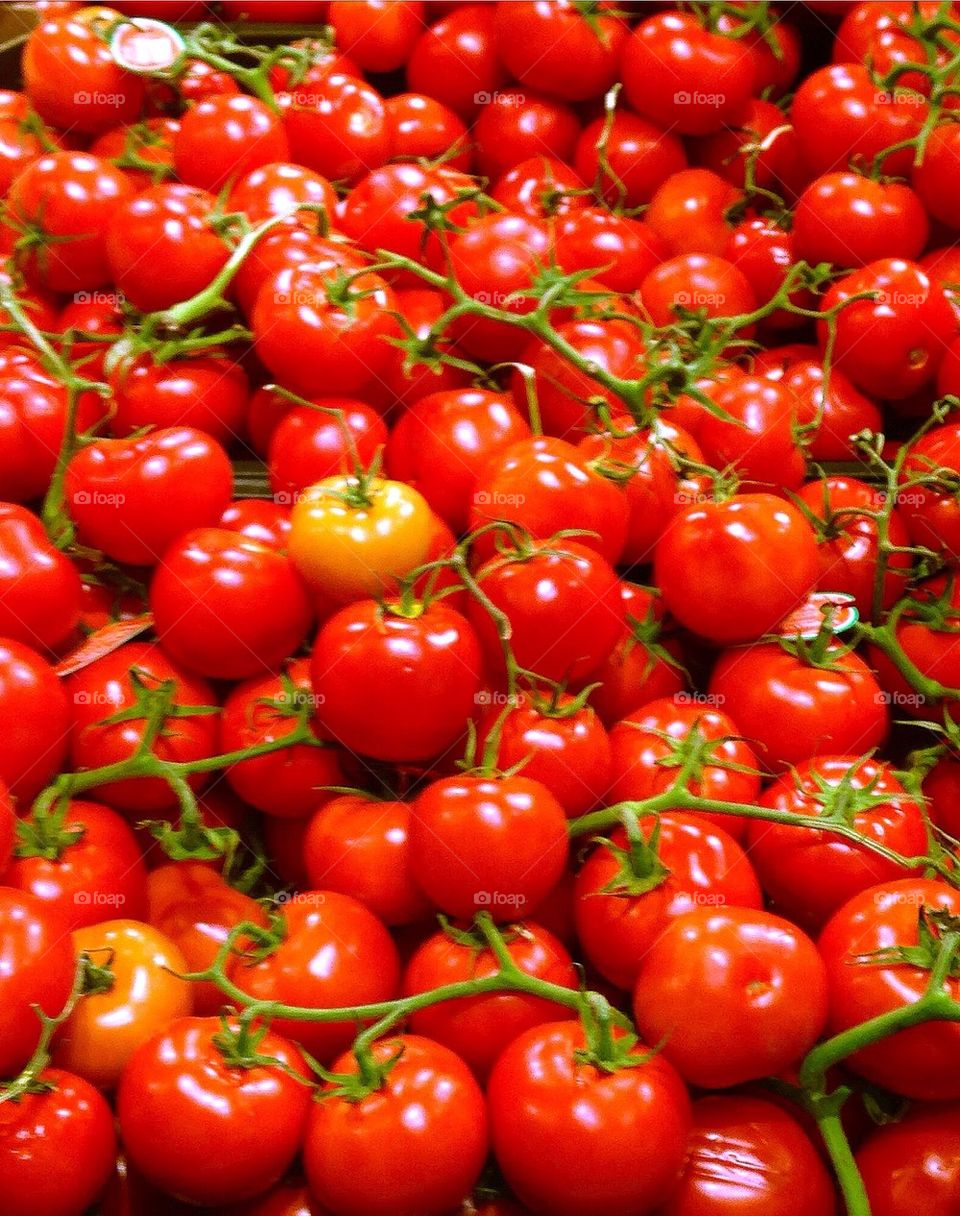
x,y
456,59
851,220
700,283
181,1092
538,42
498,844
225,137
420,126
37,714
40,588
629,158
756,434
562,1128
914,1163
279,189
412,1147
334,953
514,124
206,392
931,511
734,994
337,126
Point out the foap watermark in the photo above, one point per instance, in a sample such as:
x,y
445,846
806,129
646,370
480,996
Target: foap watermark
x,y
484,98
107,299
488,696
97,498
902,498
697,98
494,498
495,299
300,697
309,899
98,98
899,699
91,697
497,899
895,299
99,899
699,299
707,699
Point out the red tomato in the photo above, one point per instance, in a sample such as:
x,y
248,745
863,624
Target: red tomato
x,y
751,1156
926,635
40,588
456,60
37,966
621,250
207,598
420,126
372,663
563,605
662,729
538,42
734,994
893,343
483,843
766,254
545,484
541,187
73,80
479,1028
562,1128
337,126
809,873
830,408
514,124
792,709
279,189
758,438
731,570
376,34
308,444
931,511
131,498
685,77
57,1147
268,523
207,392
689,212
919,1062
851,220
411,1147
128,677
60,207
37,714
84,861
699,283
149,141
941,787
625,896
558,742
170,226
360,847
334,953
224,137
914,1164
180,1093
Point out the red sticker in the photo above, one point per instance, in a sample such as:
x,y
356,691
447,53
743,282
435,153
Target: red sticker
x,y
807,620
144,45
102,641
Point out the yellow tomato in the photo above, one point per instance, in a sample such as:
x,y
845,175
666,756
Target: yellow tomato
x,y
106,1028
354,538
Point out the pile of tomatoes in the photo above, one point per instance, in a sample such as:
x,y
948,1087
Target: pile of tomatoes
x,y
544,797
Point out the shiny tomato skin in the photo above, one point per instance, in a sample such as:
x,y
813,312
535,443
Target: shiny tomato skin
x,y
685,77
99,872
561,1129
131,498
539,41
831,405
37,965
734,994
37,714
540,187
412,1148
455,60
191,905
622,250
207,598
481,843
178,1096
730,571
809,873
224,137
641,157
278,189
335,953
544,484
792,711
914,1164
850,220
564,607
205,391
106,1028
759,441
266,522
479,1028
696,282
704,865
337,126
40,588
648,735
919,1062
308,445
932,514
166,225
370,664
287,783
57,1147
109,686
514,124
361,847
70,197
442,442
689,212
751,1156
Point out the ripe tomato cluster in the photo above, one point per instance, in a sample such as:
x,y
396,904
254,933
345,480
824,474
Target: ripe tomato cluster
x,y
542,795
